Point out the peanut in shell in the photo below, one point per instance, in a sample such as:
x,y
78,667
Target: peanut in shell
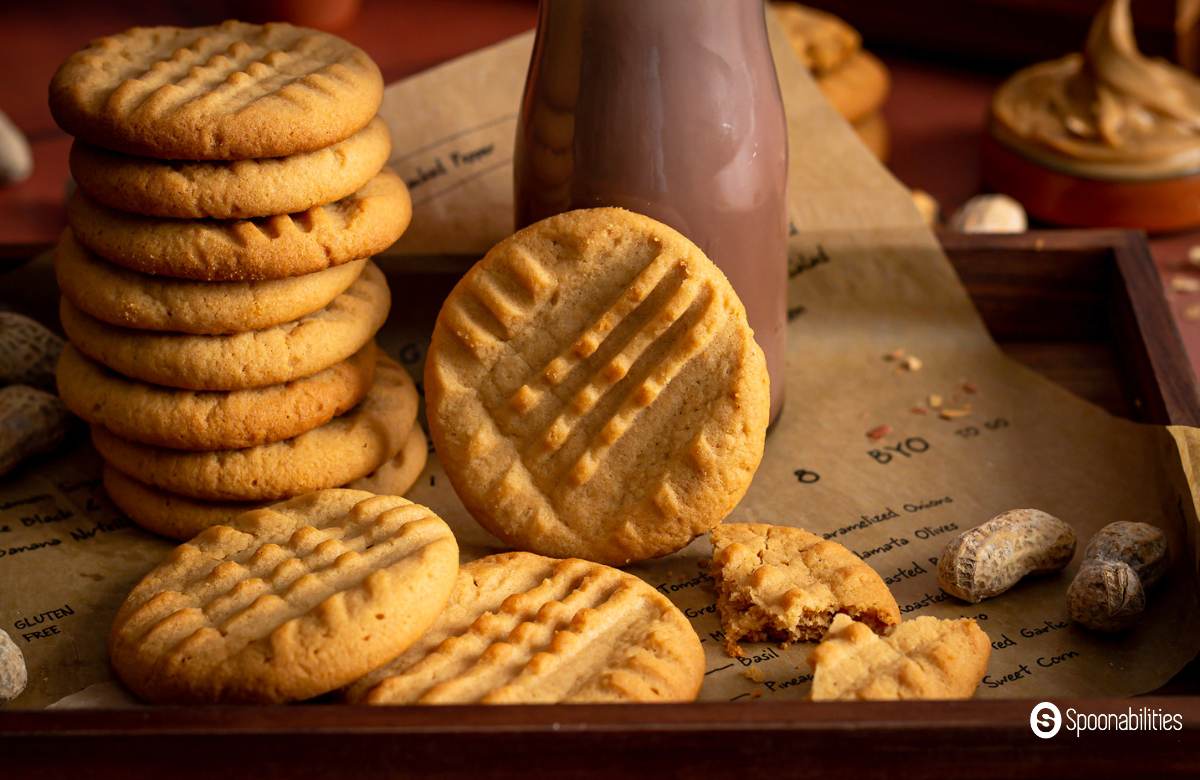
x,y
1141,545
1106,596
989,559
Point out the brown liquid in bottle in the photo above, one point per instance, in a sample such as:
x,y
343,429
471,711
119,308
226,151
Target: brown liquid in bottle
x,y
670,108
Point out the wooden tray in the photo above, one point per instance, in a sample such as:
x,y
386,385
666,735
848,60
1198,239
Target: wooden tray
x,y
1083,307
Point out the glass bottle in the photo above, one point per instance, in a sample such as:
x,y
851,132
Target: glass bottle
x,y
670,108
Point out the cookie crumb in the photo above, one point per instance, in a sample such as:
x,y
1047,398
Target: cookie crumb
x,y
1192,312
752,674
879,431
953,414
935,401
911,363
1193,255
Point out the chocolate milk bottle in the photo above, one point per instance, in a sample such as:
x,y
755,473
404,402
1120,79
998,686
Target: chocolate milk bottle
x,y
669,108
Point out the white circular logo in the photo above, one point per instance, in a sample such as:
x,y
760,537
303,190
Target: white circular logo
x,y
1045,720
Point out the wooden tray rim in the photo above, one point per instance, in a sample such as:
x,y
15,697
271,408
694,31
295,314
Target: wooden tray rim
x,y
817,727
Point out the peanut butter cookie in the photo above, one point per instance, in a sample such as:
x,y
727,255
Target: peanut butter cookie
x,y
342,450
238,361
822,41
594,390
132,300
857,88
923,658
227,92
522,629
180,517
211,420
357,226
231,189
782,584
287,602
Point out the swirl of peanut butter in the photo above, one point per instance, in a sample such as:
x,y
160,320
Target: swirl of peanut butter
x,y
1109,112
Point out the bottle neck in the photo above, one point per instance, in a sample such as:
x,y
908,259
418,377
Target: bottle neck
x,y
725,26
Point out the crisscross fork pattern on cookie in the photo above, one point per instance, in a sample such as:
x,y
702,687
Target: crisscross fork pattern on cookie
x,y
597,387
237,585
227,73
583,632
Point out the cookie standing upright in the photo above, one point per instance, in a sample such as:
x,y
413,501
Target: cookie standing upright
x,y
594,390
287,602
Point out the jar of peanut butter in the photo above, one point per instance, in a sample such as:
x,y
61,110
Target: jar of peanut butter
x,y
670,108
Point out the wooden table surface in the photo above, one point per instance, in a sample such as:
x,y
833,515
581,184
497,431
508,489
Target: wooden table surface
x,y
936,110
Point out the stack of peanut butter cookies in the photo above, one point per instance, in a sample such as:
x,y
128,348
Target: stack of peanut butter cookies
x,y
218,292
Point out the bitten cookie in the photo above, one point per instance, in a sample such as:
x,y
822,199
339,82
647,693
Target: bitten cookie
x,y
285,603
923,658
340,451
782,584
521,629
179,517
231,190
226,92
238,361
357,226
191,420
132,300
594,390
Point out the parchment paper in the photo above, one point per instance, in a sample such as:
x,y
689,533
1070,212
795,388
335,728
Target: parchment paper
x,y
867,278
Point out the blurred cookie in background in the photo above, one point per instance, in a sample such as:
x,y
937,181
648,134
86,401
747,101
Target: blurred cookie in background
x,y
852,79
